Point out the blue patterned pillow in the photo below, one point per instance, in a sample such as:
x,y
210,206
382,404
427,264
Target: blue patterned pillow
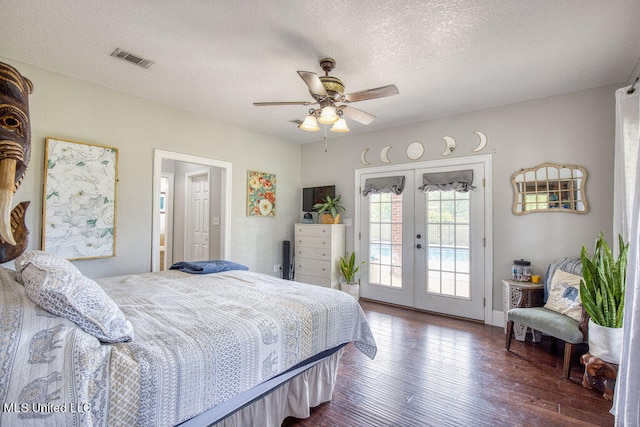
x,y
564,295
58,286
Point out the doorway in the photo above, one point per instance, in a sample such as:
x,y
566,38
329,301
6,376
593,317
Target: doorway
x,y
427,248
221,220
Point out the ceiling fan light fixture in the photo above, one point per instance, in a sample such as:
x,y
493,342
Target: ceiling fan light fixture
x,y
328,115
310,124
331,101
340,126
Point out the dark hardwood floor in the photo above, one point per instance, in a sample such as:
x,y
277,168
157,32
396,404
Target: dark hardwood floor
x,y
437,371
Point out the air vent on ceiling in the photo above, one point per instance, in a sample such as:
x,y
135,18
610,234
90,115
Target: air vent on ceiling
x,y
141,62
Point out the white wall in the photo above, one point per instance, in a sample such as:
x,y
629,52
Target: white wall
x,y
75,110
576,128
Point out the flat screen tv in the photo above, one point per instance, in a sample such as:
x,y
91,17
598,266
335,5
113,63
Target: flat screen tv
x,y
313,195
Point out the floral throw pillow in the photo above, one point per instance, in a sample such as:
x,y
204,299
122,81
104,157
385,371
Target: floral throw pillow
x,y
564,294
58,286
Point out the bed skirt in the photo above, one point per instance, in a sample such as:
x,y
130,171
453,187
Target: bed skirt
x,y
304,388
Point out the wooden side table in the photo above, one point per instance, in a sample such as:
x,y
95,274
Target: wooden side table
x,y
511,291
599,374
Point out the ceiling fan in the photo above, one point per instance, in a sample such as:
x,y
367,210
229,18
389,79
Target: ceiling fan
x,y
328,93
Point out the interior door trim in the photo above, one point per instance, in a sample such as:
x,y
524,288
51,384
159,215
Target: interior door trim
x,y
486,159
168,237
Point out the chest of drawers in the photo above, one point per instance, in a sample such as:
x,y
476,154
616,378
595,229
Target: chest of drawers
x,y
317,250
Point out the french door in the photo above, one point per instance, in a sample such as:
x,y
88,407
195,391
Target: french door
x,y
425,249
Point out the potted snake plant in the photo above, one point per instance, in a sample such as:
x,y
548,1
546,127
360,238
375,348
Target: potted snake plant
x,y
348,268
602,292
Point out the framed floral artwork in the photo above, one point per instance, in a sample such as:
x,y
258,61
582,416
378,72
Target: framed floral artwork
x,y
79,199
261,194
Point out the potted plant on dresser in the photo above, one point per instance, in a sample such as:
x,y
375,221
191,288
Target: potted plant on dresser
x,y
329,210
602,293
348,268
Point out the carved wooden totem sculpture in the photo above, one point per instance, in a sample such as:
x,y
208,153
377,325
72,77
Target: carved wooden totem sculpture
x,y
15,150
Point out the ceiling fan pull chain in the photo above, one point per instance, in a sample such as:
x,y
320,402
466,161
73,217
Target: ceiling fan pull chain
x,y
325,139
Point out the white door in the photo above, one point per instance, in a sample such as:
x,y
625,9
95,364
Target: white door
x,y
387,243
197,217
449,240
425,250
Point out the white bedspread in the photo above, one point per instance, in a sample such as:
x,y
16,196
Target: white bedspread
x,y
199,339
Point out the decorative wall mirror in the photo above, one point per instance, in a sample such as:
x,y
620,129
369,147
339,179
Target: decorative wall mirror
x,y
550,187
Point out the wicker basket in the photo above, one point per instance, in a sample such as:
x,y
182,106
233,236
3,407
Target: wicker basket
x,y
326,218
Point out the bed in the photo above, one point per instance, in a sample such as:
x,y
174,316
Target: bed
x,y
168,348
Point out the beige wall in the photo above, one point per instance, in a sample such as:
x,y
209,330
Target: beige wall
x,y
72,109
576,128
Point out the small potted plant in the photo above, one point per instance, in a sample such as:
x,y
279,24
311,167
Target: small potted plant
x,y
602,293
329,210
348,268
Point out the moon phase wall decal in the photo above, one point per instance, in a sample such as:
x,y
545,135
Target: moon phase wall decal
x,y
483,141
450,145
415,150
384,154
363,157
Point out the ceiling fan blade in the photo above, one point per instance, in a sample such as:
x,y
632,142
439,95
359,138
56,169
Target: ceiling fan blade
x,y
357,115
265,104
363,95
315,85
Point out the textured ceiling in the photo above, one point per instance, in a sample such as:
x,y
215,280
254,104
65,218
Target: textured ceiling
x,y
217,57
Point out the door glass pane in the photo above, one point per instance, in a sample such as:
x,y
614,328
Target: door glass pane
x,y
448,284
462,285
385,240
448,263
385,233
433,283
462,210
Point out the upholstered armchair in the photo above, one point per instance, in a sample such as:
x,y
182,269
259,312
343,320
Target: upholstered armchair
x,y
561,318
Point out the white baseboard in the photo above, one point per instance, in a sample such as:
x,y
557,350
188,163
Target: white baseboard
x,y
498,318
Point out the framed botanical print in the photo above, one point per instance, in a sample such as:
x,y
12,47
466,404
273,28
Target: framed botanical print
x,y
261,194
79,199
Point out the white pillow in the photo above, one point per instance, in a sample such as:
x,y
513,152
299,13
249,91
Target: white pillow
x,y
58,286
564,294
